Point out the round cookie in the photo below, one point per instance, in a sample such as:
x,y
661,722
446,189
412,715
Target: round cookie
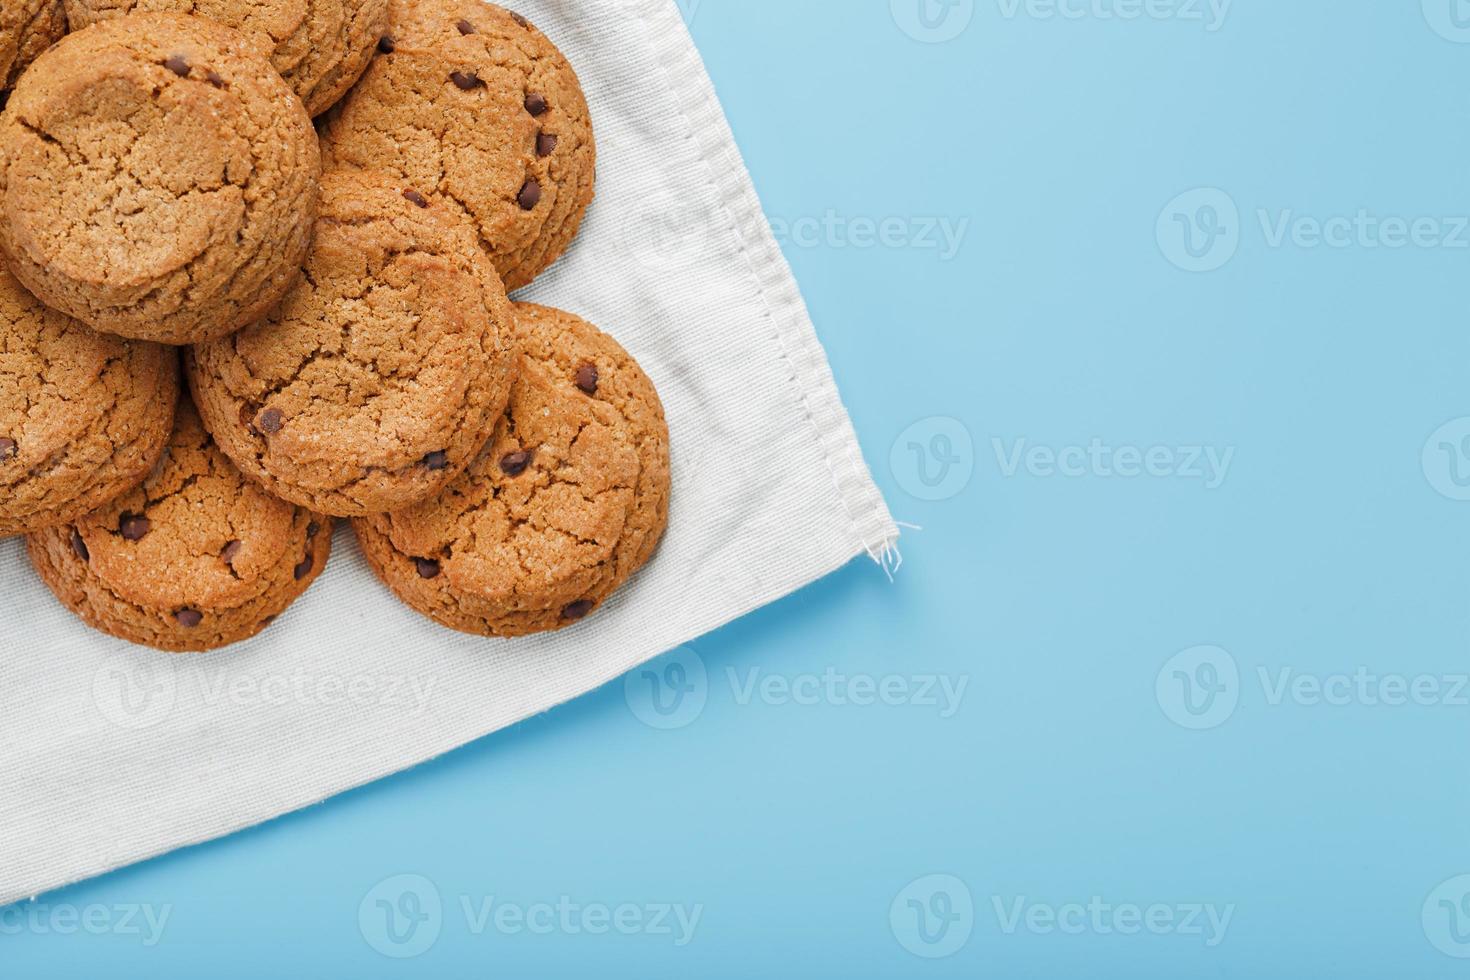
x,y
567,500
27,27
320,47
83,416
158,179
471,103
382,373
196,558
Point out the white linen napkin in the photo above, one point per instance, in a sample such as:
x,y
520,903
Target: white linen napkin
x,y
110,753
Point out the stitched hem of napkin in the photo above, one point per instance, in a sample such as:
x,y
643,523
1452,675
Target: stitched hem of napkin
x,y
790,324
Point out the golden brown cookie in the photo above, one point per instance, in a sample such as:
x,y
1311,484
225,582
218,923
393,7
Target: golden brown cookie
x,y
158,179
196,558
568,499
471,103
27,27
320,47
385,369
83,416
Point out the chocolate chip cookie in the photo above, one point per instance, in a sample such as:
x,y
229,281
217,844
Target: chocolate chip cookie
x,y
83,416
196,558
158,179
27,27
385,369
320,47
568,499
470,103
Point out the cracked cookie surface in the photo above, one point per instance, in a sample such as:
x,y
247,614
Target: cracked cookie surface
x,y
83,416
320,47
567,500
27,27
471,103
196,558
382,373
158,179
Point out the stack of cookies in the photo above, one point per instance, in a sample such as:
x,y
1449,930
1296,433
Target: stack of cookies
x,y
222,326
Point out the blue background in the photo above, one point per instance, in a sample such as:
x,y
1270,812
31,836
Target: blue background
x,y
1057,599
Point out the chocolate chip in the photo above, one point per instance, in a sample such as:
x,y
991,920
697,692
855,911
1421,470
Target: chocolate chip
x,y
304,569
465,27
4,98
587,378
428,567
134,527
8,450
535,103
530,195
545,144
231,549
215,78
79,546
437,460
576,610
514,464
312,530
269,421
177,64
385,44
465,79
416,198
520,20
189,618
